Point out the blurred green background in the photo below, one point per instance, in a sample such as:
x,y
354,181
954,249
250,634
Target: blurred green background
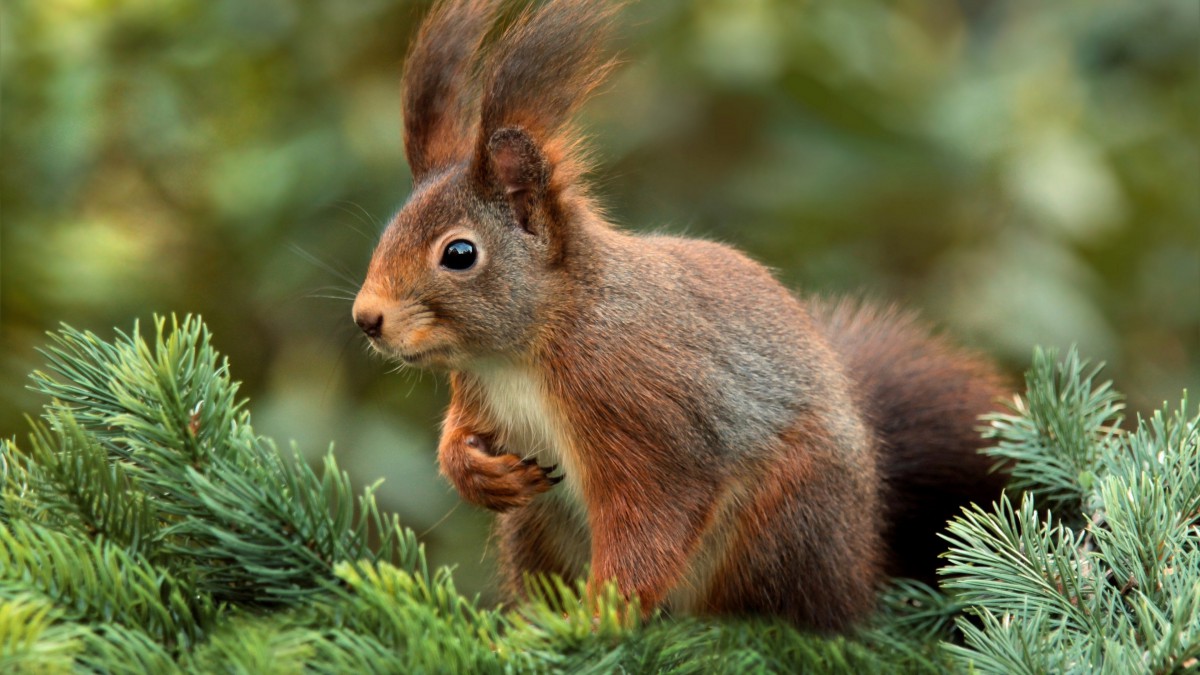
x,y
1021,172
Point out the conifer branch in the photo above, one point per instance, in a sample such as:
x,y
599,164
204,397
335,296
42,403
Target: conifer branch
x,y
249,526
145,527
1055,435
1123,593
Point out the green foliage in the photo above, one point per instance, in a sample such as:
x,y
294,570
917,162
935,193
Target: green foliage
x,y
31,639
144,530
1060,430
225,502
418,615
80,488
96,581
1120,593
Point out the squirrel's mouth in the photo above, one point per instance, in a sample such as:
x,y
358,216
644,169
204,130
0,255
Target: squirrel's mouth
x,y
424,357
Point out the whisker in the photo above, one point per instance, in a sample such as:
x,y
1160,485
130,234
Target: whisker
x,y
337,364
337,289
362,216
300,294
352,226
413,382
340,298
441,520
328,267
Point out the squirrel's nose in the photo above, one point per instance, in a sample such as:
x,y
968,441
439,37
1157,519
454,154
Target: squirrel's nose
x,y
368,313
371,322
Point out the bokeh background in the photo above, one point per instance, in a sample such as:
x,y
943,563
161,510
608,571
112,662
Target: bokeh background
x,y
1022,172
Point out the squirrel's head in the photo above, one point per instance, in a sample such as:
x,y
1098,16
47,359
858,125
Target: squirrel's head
x,y
467,268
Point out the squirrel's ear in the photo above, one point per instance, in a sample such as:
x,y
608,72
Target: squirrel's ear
x,y
517,169
437,91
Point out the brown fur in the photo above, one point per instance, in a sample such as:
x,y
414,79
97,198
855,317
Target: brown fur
x,y
921,395
725,447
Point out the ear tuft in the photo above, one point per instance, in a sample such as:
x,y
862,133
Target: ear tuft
x,y
519,170
438,94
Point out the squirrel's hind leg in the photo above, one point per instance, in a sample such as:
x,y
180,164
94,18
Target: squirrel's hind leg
x,y
550,536
807,547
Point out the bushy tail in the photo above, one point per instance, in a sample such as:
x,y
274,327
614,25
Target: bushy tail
x,y
922,397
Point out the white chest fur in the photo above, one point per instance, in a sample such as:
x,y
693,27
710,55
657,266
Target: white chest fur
x,y
529,423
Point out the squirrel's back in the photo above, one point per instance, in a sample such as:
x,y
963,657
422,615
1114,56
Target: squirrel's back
x,y
922,397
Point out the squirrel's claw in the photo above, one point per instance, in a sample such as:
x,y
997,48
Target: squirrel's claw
x,y
554,480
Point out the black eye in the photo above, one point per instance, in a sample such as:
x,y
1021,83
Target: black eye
x,y
459,255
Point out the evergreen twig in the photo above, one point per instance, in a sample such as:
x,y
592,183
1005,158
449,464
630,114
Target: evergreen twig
x,y
144,527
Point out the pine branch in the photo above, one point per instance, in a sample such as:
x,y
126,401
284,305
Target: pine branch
x,y
97,581
134,470
69,481
1054,437
1122,594
419,615
118,650
32,638
255,646
249,526
1017,560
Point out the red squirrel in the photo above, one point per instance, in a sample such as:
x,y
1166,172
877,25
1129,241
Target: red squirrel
x,y
725,446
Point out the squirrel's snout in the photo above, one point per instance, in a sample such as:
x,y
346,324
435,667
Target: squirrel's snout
x,y
369,317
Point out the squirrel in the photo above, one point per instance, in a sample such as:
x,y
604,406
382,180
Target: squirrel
x,y
726,447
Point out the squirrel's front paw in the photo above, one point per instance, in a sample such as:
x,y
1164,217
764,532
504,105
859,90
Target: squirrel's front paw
x,y
497,482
